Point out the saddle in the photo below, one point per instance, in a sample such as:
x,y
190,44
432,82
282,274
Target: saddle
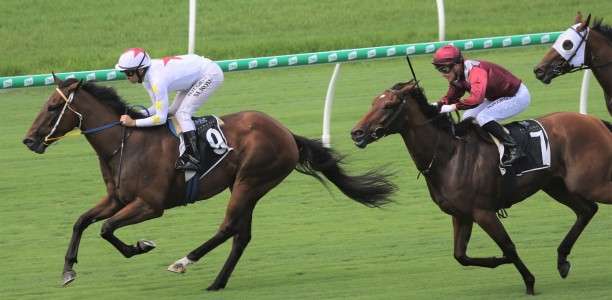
x,y
212,144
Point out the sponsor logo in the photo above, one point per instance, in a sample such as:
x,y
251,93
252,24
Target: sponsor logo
x,y
391,51
28,81
545,39
526,40
70,76
410,50
111,75
312,59
430,48
332,57
468,45
507,42
272,63
7,83
253,64
352,55
293,60
49,80
488,43
90,76
371,53
232,66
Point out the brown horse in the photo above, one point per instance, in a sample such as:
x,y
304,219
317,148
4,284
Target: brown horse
x,y
597,55
265,152
464,179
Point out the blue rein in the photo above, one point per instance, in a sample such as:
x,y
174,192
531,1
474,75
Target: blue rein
x,y
111,125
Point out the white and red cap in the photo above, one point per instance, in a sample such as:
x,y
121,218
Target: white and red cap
x,y
133,59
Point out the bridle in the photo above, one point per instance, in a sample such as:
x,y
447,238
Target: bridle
x,y
560,69
67,101
382,131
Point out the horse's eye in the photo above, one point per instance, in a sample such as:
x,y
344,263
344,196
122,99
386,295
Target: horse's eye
x,y
51,108
567,45
388,106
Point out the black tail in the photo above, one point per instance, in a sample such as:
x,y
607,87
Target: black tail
x,y
372,189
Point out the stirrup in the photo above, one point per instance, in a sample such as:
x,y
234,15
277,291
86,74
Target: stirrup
x,y
188,165
515,154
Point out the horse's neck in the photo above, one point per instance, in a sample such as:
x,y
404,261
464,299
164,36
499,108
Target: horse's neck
x,y
427,144
601,64
95,115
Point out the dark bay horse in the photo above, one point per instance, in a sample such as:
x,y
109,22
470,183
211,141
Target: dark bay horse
x,y
265,152
464,179
597,55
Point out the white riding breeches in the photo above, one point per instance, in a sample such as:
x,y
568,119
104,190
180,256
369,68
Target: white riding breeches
x,y
501,108
186,103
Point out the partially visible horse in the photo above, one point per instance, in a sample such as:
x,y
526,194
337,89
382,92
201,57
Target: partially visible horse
x,y
593,45
465,181
264,153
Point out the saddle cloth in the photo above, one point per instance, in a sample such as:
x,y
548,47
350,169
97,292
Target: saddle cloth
x,y
211,141
532,138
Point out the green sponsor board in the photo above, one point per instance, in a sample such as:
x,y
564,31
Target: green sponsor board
x,y
306,59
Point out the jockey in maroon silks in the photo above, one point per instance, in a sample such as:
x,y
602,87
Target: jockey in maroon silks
x,y
495,94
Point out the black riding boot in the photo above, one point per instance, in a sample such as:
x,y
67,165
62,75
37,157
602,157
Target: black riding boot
x,y
506,139
191,156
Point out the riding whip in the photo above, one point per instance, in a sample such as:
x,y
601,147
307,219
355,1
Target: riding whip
x,y
121,152
412,70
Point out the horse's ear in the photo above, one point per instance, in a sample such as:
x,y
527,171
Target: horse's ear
x,y
585,24
578,18
74,86
56,79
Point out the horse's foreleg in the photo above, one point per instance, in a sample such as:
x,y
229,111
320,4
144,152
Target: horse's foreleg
x,y
104,209
584,210
462,233
489,222
135,212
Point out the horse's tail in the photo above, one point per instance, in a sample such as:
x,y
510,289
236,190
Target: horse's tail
x,y
372,189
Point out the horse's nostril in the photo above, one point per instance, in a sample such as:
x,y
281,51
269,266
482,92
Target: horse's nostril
x,y
537,71
357,133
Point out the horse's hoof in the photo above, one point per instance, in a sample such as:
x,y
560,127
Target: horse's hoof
x,y
146,246
68,277
177,268
564,269
214,288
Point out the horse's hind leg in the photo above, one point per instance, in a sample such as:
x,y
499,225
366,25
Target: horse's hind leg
x,y
104,209
237,224
584,210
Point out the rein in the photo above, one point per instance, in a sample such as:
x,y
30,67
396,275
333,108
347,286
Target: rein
x,y
402,112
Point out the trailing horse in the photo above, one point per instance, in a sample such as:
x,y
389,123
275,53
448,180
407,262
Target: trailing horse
x,y
581,47
464,178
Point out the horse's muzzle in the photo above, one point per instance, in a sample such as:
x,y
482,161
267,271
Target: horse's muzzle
x,y
361,138
35,144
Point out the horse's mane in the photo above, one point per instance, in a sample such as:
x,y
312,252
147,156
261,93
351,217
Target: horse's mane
x,y
105,95
605,30
443,122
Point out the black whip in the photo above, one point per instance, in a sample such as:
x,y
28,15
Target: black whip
x,y
412,70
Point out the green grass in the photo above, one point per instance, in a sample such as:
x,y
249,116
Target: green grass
x,y
307,244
